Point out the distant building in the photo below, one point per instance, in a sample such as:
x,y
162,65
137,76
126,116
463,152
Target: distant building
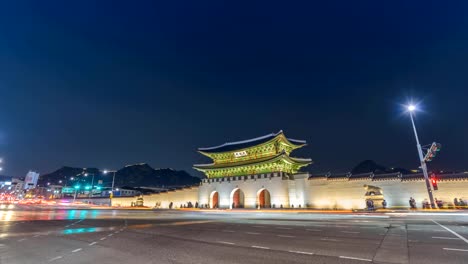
x,y
30,181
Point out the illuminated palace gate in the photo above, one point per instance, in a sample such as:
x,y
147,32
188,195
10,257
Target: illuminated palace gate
x,y
238,167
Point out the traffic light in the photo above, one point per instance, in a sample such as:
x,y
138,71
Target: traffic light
x,y
432,151
434,182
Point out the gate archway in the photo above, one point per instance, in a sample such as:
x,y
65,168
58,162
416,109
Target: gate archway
x,y
214,199
263,198
237,199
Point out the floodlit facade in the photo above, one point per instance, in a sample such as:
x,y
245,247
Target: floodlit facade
x,y
254,173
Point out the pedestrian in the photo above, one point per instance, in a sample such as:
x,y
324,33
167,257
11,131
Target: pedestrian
x,y
455,203
384,204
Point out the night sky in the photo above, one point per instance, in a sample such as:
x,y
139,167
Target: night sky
x,y
113,83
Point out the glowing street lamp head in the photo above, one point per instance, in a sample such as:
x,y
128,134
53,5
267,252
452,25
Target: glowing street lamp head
x,y
411,107
105,171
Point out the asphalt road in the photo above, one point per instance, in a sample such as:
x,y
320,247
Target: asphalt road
x,y
41,235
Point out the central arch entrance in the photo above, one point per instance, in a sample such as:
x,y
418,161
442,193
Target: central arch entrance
x,y
263,198
214,200
237,199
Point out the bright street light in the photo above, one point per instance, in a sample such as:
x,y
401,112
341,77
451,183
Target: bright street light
x,y
411,109
113,179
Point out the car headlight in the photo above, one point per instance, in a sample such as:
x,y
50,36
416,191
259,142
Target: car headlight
x,y
2,206
11,206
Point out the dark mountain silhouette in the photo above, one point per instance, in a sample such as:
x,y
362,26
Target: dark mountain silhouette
x,y
371,166
137,175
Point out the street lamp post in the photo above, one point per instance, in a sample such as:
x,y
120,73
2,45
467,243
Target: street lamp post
x,y
92,183
411,109
113,179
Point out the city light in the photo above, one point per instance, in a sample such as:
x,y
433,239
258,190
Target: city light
x,y
411,107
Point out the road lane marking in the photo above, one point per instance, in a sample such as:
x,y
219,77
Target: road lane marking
x,y
260,247
456,238
285,228
285,236
451,231
94,243
104,238
23,239
329,239
54,259
229,231
260,226
314,230
109,235
36,235
76,250
350,232
346,257
456,249
252,233
301,252
224,242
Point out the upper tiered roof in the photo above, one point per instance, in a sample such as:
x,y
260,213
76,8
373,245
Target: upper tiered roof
x,y
238,145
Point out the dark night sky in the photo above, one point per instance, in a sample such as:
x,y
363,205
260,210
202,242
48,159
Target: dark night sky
x,y
119,82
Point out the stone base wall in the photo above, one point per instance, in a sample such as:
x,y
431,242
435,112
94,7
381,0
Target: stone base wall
x,y
350,194
163,199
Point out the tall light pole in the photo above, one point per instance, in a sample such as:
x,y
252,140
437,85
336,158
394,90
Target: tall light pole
x,y
113,179
411,108
92,183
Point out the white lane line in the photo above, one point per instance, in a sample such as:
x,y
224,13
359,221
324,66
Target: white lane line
x,y
456,238
285,228
363,259
260,247
252,233
54,259
314,230
23,239
329,239
116,232
104,238
36,235
94,243
224,242
456,249
109,235
229,231
301,252
76,250
259,226
285,236
350,232
451,231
